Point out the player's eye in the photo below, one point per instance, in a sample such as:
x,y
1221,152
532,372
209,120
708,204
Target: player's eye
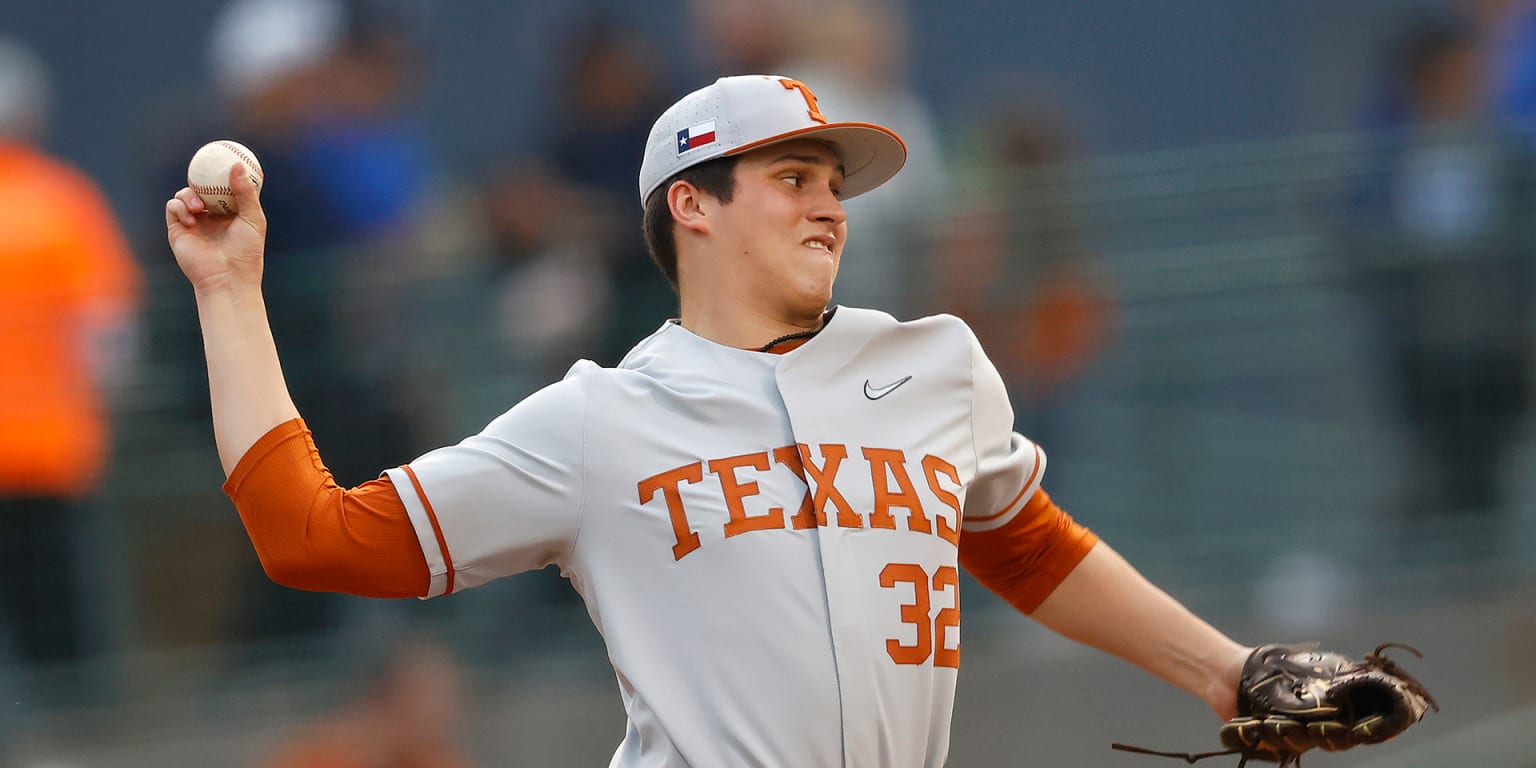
x,y
793,179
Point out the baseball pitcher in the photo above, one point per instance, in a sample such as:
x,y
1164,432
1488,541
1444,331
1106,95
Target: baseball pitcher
x,y
765,505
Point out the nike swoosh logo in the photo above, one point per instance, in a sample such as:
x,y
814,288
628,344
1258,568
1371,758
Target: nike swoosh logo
x,y
875,393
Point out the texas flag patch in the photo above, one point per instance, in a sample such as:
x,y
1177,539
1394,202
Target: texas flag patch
x,y
695,136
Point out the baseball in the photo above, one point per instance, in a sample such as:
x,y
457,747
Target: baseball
x,y
208,173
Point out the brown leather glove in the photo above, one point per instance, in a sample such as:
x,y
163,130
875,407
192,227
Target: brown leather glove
x,y
1292,698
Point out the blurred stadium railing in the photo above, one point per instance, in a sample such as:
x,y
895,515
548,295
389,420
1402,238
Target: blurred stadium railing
x,y
1238,436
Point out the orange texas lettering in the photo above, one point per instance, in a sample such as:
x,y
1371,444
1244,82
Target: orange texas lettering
x,y
667,482
821,468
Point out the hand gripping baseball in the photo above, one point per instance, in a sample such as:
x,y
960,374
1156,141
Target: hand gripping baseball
x,y
214,249
1295,698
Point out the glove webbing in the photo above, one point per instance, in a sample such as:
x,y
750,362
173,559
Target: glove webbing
x,y
1390,667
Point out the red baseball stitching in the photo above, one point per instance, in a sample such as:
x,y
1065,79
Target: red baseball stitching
x,y
250,162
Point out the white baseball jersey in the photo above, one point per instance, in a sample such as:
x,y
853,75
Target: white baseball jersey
x,y
767,543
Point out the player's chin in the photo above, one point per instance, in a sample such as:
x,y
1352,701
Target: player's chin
x,y
812,302
815,282
818,273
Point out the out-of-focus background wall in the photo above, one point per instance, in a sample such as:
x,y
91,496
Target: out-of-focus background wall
x,y
1259,275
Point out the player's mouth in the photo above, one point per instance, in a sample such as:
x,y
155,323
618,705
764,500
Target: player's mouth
x,y
821,242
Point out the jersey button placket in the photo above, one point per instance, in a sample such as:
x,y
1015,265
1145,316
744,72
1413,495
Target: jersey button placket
x,y
839,572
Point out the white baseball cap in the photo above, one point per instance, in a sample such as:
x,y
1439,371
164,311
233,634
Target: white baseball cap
x,y
741,113
253,43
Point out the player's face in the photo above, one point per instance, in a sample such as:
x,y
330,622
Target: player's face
x,y
786,223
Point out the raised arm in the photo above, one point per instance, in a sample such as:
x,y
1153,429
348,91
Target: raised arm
x,y
222,257
309,533
1106,603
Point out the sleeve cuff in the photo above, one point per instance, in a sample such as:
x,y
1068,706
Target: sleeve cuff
x,y
429,532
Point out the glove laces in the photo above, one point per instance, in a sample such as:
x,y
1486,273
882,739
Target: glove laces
x,y
1286,760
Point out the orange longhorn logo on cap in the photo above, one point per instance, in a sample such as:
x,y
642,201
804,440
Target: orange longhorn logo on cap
x,y
810,98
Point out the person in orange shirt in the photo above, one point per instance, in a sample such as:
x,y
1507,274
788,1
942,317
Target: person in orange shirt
x,y
406,715
68,287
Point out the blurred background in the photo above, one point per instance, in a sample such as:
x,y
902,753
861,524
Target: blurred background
x,y
1259,275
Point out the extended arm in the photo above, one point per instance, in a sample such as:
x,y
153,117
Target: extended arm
x,y
309,533
222,257
1107,604
1060,574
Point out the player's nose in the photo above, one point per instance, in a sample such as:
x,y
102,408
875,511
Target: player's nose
x,y
827,208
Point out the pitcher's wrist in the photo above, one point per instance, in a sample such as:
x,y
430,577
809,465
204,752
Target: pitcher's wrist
x,y
226,284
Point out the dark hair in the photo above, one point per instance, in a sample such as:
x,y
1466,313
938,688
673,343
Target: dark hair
x,y
714,177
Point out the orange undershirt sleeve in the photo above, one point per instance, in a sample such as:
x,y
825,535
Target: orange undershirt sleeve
x,y
312,534
1024,560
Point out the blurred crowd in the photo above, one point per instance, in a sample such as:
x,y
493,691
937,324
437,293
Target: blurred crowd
x,y
411,302
1440,248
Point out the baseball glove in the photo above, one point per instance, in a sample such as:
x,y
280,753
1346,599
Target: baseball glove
x,y
1294,698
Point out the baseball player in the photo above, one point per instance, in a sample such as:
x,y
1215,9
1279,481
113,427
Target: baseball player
x,y
765,506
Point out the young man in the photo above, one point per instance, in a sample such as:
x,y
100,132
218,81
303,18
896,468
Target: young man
x,y
763,506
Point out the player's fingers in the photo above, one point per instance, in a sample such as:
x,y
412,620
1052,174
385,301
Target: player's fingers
x,y
247,194
247,198
191,200
176,212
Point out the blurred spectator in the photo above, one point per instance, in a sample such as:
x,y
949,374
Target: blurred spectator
x,y
407,713
1014,260
327,102
855,52
68,293
737,37
1509,29
327,107
1446,265
552,280
611,93
332,123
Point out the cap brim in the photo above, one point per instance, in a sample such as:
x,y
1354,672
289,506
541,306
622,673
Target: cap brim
x,y
871,154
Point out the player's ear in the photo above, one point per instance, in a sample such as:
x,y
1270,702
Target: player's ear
x,y
689,206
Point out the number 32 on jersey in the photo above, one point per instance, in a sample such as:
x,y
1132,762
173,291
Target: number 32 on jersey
x,y
937,635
